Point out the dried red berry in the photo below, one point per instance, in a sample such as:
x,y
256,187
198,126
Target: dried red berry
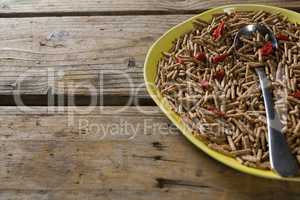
x,y
200,56
219,58
218,32
204,84
220,74
179,61
280,36
267,49
296,94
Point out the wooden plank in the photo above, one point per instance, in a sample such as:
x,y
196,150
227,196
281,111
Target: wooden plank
x,y
47,154
125,6
78,55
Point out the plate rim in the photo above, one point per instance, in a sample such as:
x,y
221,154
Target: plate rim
x,y
155,95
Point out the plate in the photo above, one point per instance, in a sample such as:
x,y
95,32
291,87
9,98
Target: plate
x,y
164,43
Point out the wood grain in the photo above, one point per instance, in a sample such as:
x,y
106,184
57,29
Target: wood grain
x,y
70,7
47,154
78,55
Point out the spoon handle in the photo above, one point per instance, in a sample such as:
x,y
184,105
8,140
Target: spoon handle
x,y
281,158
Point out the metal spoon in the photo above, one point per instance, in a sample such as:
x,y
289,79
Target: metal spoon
x,y
281,158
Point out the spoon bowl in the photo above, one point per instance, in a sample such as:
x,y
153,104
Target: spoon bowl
x,y
252,28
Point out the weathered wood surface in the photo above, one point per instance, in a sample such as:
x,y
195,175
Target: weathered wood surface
x,y
78,55
97,55
126,6
48,153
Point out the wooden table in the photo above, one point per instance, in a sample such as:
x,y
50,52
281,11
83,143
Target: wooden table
x,y
61,53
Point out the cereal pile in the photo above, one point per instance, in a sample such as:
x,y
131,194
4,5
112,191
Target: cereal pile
x,y
216,91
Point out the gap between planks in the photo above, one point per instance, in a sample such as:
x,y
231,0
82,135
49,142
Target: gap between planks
x,y
101,13
106,13
77,100
48,8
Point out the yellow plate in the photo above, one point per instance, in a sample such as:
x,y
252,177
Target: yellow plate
x,y
164,44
